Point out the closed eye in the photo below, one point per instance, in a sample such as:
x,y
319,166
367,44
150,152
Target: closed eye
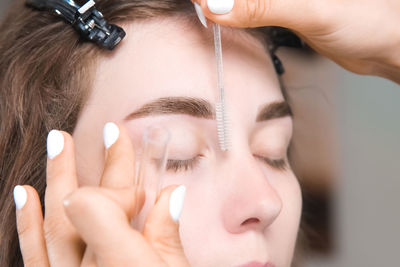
x,y
177,165
277,164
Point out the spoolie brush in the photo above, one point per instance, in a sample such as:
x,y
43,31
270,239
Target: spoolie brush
x,y
221,113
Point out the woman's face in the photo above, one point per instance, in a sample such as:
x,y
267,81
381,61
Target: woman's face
x,y
241,206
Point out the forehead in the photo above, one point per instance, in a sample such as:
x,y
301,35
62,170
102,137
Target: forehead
x,y
173,58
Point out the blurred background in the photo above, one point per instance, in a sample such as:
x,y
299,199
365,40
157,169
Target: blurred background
x,y
346,153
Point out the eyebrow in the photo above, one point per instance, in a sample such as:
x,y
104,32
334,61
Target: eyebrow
x,y
273,111
201,108
195,107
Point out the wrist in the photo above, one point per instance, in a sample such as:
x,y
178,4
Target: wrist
x,y
390,71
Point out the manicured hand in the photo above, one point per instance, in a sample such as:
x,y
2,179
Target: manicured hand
x,y
361,35
90,226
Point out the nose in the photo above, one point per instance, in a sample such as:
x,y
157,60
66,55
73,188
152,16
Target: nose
x,y
251,202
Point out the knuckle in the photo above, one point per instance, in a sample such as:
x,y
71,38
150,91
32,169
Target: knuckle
x,y
23,229
33,261
53,231
168,246
49,228
256,10
168,242
30,258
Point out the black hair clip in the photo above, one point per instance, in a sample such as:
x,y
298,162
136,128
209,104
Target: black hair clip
x,y
86,19
277,64
284,37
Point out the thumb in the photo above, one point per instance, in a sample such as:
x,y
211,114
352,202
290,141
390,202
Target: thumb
x,y
162,226
294,14
101,217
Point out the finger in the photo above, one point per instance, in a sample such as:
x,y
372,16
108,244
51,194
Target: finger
x,y
162,226
119,166
30,226
93,212
64,245
294,14
126,198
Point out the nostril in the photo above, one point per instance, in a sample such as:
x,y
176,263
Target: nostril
x,y
250,221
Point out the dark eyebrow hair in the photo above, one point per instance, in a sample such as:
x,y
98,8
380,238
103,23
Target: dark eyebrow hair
x,y
201,108
274,110
195,107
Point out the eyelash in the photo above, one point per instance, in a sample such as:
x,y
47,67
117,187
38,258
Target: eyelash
x,y
177,165
278,164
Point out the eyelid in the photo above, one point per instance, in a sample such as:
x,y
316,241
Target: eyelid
x,y
277,164
182,164
177,165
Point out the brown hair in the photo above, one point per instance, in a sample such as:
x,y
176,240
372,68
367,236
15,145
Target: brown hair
x,y
45,79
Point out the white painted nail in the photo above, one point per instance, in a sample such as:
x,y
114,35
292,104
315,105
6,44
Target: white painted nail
x,y
20,196
110,134
176,201
220,6
55,143
200,14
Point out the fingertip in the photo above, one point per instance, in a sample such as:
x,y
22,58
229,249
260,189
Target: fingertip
x,y
76,196
162,227
119,165
29,221
26,197
170,202
66,202
55,143
176,202
220,7
125,138
60,169
110,134
20,196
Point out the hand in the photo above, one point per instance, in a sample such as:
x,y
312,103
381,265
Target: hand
x,y
363,36
90,226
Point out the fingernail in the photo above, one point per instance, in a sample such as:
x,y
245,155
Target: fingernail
x,y
20,196
66,202
200,14
220,6
110,134
176,202
55,143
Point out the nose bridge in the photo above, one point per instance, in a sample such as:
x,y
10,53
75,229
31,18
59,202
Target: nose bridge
x,y
249,202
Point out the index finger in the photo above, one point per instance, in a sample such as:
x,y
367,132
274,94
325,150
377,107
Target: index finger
x,y
293,14
119,168
63,242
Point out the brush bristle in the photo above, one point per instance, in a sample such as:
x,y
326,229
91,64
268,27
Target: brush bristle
x,y
222,126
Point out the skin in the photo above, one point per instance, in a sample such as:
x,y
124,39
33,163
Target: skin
x,y
151,63
339,30
328,26
69,233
